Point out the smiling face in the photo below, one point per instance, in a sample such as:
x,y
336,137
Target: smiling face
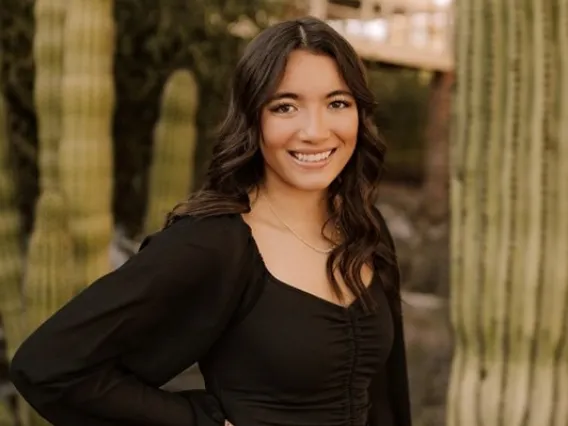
x,y
309,126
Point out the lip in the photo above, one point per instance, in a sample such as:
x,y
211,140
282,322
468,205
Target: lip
x,y
314,164
311,152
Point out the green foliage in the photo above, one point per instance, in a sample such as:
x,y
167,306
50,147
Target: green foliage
x,y
401,116
16,36
154,39
11,254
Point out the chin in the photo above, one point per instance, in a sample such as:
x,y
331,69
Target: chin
x,y
314,184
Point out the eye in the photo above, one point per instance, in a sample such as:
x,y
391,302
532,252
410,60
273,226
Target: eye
x,y
339,104
282,108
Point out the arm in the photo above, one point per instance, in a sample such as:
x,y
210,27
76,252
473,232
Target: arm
x,y
100,359
389,392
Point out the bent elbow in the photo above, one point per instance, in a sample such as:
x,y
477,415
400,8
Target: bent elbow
x,y
20,374
28,375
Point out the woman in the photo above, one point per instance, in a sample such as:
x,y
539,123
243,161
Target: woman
x,y
278,276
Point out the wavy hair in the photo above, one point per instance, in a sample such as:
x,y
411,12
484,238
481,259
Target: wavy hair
x,y
237,165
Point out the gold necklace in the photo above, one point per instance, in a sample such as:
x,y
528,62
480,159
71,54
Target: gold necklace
x,y
314,248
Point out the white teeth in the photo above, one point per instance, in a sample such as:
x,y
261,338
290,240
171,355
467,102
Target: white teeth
x,y
312,158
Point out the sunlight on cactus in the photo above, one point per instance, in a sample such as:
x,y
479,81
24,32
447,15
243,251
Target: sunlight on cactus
x,y
86,153
172,168
50,281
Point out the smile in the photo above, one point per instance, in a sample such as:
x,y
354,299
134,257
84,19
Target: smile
x,y
312,158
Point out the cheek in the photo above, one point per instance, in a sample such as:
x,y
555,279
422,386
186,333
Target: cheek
x,y
347,128
276,133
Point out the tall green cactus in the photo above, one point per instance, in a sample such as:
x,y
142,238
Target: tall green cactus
x,y
86,153
509,184
172,168
50,279
49,16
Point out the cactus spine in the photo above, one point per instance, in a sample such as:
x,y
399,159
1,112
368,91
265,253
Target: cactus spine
x,y
172,168
86,153
509,185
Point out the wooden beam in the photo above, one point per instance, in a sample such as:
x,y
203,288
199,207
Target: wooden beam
x,y
318,8
409,56
338,11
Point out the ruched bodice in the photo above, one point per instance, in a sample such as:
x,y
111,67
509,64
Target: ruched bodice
x,y
299,360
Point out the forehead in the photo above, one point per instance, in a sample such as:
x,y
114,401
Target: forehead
x,y
309,73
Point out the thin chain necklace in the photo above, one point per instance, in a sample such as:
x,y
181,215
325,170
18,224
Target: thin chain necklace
x,y
314,248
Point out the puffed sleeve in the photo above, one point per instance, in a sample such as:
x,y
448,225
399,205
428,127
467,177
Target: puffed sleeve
x,y
389,393
100,360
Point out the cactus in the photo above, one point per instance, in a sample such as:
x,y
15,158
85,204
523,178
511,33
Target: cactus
x,y
49,280
174,148
509,186
49,268
86,153
48,57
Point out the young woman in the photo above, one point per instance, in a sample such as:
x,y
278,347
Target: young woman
x,y
278,276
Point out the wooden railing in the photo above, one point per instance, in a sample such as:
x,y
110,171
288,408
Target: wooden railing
x,y
410,33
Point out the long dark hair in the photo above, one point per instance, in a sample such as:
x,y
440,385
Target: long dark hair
x,y
237,165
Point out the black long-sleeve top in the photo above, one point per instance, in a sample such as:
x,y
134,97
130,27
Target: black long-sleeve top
x,y
293,359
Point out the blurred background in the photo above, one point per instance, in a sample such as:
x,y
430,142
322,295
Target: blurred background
x,y
107,116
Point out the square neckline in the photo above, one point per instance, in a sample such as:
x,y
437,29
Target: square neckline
x,y
346,308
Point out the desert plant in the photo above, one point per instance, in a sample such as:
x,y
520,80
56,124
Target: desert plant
x,y
85,153
49,263
172,167
509,185
50,281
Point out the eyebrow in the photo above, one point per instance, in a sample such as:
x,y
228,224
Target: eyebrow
x,y
291,95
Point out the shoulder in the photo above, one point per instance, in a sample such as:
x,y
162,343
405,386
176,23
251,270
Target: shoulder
x,y
224,236
210,231
224,228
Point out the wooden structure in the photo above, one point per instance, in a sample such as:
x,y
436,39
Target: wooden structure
x,y
407,33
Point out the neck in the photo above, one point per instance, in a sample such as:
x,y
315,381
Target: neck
x,y
299,207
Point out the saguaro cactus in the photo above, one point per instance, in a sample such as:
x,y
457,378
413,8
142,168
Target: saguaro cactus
x,y
86,147
48,57
509,185
50,280
172,169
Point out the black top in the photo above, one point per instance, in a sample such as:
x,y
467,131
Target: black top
x,y
291,359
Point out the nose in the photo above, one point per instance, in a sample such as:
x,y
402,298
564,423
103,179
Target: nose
x,y
315,129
